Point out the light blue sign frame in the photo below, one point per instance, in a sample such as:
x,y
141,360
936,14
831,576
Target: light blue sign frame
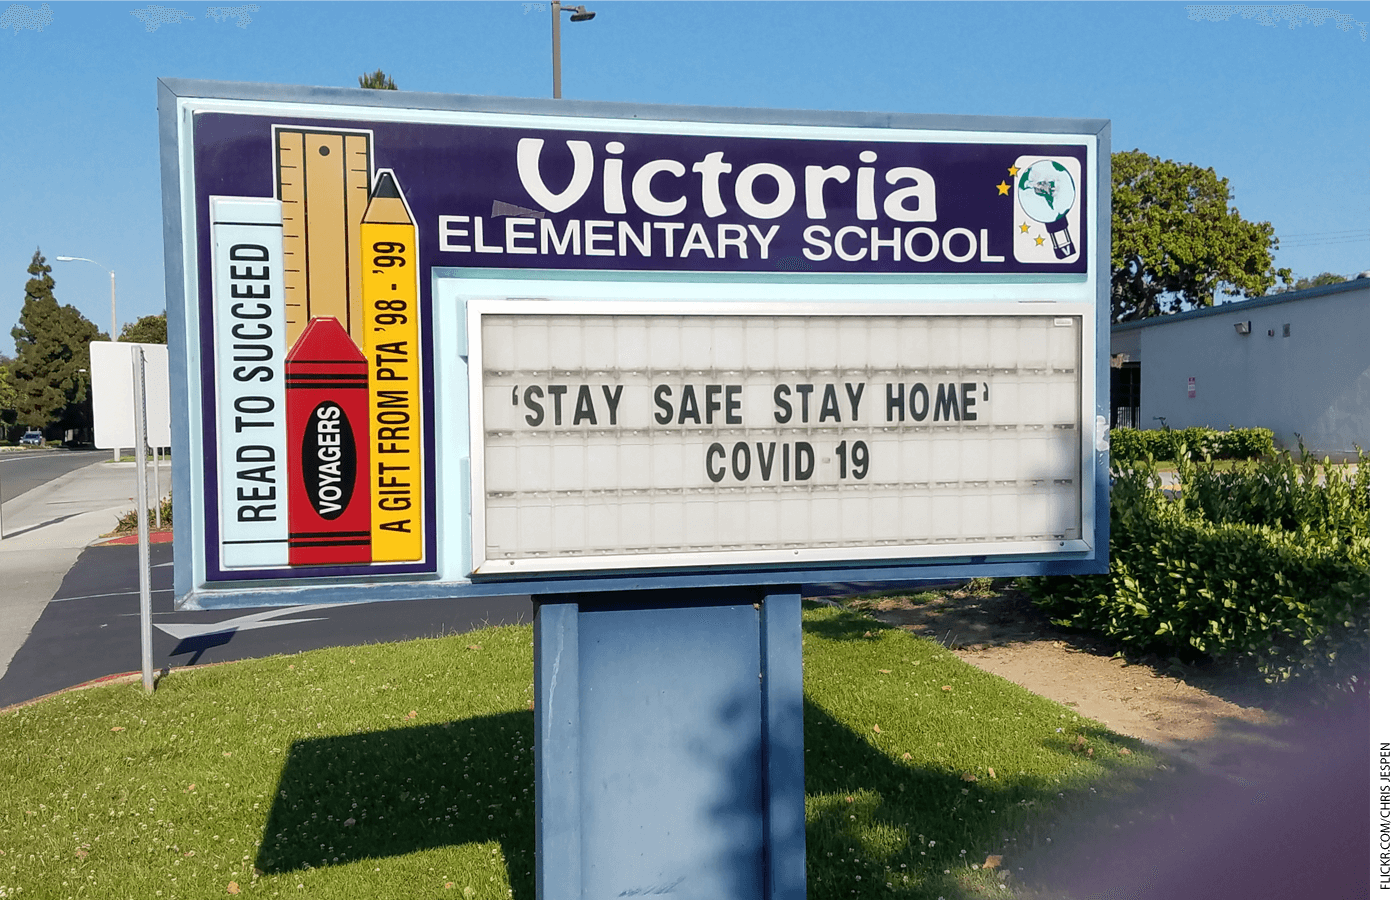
x,y
178,102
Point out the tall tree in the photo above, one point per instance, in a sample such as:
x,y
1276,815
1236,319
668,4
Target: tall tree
x,y
51,368
1177,241
145,330
378,81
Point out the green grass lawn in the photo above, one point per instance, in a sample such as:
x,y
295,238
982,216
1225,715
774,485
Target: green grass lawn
x,y
405,770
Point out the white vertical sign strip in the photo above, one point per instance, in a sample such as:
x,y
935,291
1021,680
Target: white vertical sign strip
x,y
250,340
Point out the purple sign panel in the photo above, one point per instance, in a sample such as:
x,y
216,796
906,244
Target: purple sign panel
x,y
535,198
316,240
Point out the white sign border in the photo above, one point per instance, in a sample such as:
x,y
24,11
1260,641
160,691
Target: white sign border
x,y
180,99
479,564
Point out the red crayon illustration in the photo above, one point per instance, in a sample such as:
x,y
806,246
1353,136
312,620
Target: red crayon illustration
x,y
328,447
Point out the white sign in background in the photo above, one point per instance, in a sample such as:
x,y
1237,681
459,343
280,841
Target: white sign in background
x,y
607,440
113,401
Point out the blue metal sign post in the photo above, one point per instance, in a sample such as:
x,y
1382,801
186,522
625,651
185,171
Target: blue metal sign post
x,y
668,745
661,368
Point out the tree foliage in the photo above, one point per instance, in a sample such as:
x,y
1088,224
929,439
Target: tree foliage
x,y
145,330
378,81
7,391
51,371
1319,280
1177,241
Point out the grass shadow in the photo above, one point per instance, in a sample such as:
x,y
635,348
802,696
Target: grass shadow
x,y
874,820
882,821
851,627
395,792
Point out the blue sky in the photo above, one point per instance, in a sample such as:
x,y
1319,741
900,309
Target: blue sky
x,y
1284,113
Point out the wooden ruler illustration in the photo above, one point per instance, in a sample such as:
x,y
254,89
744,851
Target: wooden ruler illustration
x,y
323,182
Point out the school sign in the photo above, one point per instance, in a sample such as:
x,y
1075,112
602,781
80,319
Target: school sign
x,y
453,346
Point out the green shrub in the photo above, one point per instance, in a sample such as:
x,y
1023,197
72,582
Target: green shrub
x,y
1269,568
127,523
1304,496
1196,440
1244,443
1131,444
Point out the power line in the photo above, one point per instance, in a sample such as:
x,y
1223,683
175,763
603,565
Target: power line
x,y
1295,244
1312,234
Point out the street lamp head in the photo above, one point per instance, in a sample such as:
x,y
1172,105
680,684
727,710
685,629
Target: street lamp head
x,y
79,259
580,14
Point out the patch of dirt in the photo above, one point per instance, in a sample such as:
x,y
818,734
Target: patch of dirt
x,y
1197,714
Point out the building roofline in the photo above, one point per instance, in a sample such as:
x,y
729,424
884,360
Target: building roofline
x,y
1241,305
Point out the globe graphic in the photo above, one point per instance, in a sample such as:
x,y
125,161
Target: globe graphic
x,y
1046,190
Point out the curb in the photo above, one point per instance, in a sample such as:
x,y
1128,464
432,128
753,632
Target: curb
x,y
157,537
121,678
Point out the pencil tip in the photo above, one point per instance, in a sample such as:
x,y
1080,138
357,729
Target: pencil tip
x,y
387,186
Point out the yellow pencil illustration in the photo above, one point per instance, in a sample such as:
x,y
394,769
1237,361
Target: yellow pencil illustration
x,y
389,254
323,183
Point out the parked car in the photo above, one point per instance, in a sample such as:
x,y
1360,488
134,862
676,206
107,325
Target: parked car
x,y
32,438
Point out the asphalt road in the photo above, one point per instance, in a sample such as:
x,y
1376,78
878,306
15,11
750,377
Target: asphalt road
x,y
91,628
23,470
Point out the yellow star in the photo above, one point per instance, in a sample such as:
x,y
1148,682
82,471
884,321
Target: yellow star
x,y
1025,228
1002,189
1013,170
1039,240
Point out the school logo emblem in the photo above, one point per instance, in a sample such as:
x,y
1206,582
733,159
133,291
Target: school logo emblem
x,y
1047,213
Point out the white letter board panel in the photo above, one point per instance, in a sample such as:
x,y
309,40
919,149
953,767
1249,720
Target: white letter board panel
x,y
631,435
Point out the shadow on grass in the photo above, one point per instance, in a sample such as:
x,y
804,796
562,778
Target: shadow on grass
x,y
470,781
875,820
849,626
878,822
406,790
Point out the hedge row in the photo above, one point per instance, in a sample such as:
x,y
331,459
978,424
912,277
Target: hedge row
x,y
1130,444
1268,568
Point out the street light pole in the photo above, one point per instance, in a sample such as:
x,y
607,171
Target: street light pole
x,y
116,451
554,27
579,15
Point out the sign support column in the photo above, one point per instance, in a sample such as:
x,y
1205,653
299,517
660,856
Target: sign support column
x,y
668,736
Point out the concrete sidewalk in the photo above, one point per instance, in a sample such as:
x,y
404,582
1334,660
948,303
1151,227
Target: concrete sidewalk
x,y
45,530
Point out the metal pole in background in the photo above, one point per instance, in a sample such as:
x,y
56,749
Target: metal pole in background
x,y
143,528
554,26
580,14
116,451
